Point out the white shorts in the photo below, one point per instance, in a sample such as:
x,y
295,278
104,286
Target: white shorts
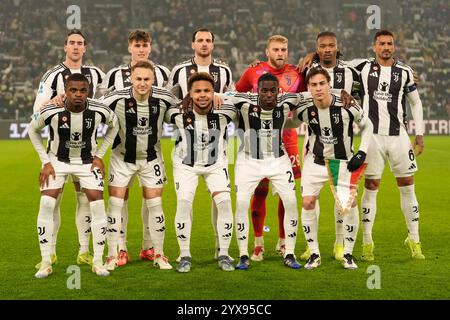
x,y
216,178
121,174
395,149
314,177
82,172
249,172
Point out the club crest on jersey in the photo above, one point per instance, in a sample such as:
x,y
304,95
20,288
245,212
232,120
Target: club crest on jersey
x,y
277,114
396,76
215,75
288,80
88,77
213,124
336,118
88,123
154,109
339,77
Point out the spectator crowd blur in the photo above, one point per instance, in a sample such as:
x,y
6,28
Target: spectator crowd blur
x,y
32,36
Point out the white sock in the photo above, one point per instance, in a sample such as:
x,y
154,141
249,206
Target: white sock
x,y
317,209
98,226
45,226
242,223
83,221
147,242
56,221
157,223
123,231
339,226
309,223
368,212
114,211
290,221
224,218
351,225
410,208
183,226
214,216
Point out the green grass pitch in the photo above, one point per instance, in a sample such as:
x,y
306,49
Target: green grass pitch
x,y
400,277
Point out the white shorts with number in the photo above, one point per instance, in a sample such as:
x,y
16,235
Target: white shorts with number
x,y
249,172
216,178
121,174
82,172
395,149
314,176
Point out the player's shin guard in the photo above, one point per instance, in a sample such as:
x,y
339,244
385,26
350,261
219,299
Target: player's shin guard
x,y
157,223
258,209
351,225
368,212
123,231
98,227
410,208
290,221
317,209
224,221
45,226
183,226
281,211
147,242
114,209
309,223
83,221
56,221
339,226
242,224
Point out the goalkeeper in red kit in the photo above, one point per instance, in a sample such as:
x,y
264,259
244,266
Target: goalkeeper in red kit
x,y
291,80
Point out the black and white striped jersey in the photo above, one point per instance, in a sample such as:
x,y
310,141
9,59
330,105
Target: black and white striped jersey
x,y
73,135
383,91
261,130
53,81
140,123
221,73
331,129
120,77
343,76
201,140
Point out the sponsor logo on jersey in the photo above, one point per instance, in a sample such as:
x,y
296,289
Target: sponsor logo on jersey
x,y
314,121
64,126
131,110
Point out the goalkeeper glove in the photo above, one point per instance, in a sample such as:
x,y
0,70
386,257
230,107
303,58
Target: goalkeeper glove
x,y
356,161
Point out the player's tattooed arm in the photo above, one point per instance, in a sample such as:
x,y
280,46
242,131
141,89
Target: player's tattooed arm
x,y
306,62
56,101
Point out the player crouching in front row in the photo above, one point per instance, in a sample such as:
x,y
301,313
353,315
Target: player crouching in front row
x,y
330,137
71,149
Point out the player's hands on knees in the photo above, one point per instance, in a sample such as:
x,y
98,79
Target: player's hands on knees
x,y
254,63
347,99
217,102
306,62
356,161
418,145
45,174
57,101
97,163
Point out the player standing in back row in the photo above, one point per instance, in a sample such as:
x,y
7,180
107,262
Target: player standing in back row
x,y
139,47
203,46
386,84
